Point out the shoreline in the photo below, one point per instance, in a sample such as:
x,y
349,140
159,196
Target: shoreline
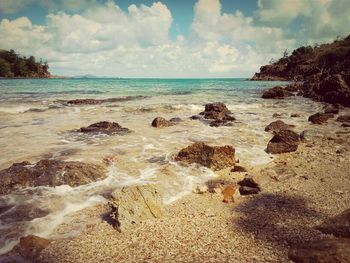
x,y
298,193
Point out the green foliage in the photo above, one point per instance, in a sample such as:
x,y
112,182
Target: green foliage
x,y
14,65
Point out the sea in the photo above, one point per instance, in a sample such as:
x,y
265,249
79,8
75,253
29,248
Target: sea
x,y
36,123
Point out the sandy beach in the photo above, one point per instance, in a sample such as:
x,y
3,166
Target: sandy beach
x,y
299,191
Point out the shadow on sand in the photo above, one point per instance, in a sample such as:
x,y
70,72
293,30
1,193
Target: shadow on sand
x,y
278,219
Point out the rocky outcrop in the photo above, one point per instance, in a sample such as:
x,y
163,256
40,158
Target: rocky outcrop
x,y
48,173
283,141
320,117
324,71
277,126
135,204
160,122
218,113
276,93
105,127
324,251
338,226
213,157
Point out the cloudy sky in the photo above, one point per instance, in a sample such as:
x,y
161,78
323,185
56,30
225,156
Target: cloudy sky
x,y
169,38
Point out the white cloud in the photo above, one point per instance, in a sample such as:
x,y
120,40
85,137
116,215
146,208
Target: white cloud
x,y
105,40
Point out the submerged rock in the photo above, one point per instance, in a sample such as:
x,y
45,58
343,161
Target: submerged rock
x,y
213,157
105,127
160,122
218,113
49,173
29,247
276,93
283,141
338,226
135,204
320,118
277,126
324,251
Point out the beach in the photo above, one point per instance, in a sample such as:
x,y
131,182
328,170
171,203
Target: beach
x,y
40,120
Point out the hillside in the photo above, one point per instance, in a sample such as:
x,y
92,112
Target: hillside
x,y
13,65
323,70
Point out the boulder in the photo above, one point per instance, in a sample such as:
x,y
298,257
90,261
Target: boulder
x,y
29,247
248,186
218,113
48,173
338,226
213,157
105,127
276,93
344,118
135,204
334,89
277,126
324,251
246,190
283,141
160,122
320,117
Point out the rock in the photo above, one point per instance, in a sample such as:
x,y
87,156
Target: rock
x,y
320,118
216,158
100,101
175,120
248,186
228,193
344,118
239,169
277,126
217,112
335,89
160,122
248,181
331,109
246,190
48,173
295,115
338,226
283,141
201,189
276,93
135,204
324,251
29,247
346,124
105,127
276,115
196,117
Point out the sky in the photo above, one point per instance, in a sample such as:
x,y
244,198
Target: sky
x,y
168,38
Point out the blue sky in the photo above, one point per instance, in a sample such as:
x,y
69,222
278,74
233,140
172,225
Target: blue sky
x,y
182,38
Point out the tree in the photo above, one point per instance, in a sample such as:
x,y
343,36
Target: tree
x,y
31,64
5,69
285,53
20,68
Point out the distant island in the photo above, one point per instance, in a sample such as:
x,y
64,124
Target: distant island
x,y
12,65
321,72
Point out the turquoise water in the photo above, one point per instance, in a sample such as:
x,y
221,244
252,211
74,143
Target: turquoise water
x,y
17,89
